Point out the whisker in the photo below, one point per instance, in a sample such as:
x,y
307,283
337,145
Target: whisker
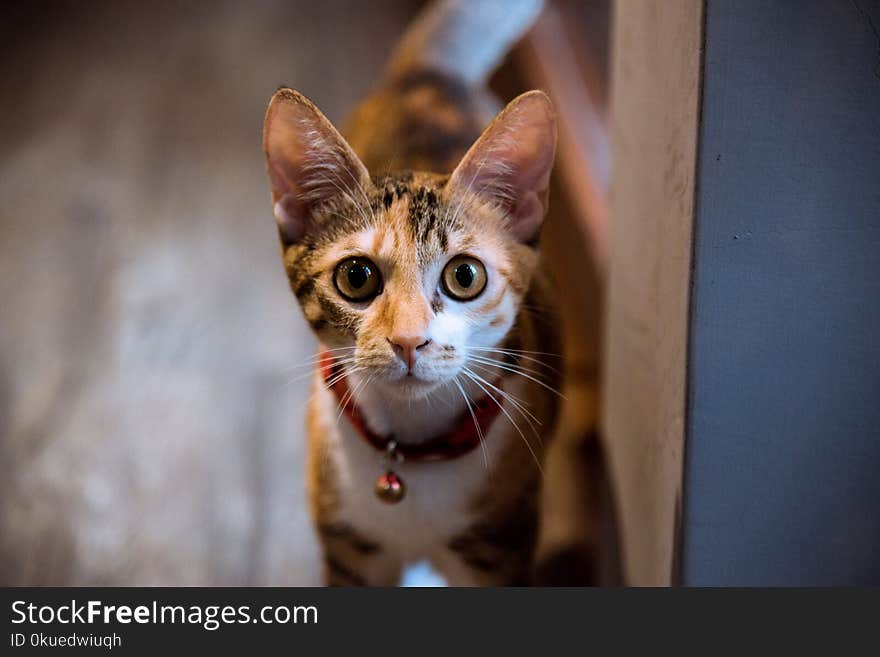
x,y
336,359
299,377
350,395
519,372
314,358
335,349
311,366
517,403
495,362
519,351
518,406
510,418
332,381
518,357
476,424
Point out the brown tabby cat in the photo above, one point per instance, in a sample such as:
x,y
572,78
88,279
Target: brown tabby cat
x,y
412,249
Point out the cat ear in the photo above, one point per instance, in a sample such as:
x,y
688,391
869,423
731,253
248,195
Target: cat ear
x,y
510,163
309,162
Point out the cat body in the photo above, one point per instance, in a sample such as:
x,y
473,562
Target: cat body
x,y
412,249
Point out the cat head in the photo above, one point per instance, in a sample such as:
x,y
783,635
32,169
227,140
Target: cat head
x,y
409,275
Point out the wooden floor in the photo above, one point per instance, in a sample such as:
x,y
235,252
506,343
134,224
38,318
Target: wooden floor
x,y
150,411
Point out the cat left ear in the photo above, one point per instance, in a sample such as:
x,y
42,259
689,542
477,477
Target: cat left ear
x,y
510,163
309,163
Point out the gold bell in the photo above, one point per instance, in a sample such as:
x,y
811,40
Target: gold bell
x,y
390,488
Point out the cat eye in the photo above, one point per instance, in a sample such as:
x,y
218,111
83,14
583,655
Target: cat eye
x,y
357,279
464,278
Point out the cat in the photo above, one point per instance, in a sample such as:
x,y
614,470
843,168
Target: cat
x,y
412,247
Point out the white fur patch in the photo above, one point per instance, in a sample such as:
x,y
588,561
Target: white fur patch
x,y
421,575
450,327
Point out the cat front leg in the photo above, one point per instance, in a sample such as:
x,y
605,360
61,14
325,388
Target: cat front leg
x,y
352,559
482,567
496,551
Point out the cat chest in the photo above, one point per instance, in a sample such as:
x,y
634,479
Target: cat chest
x,y
439,500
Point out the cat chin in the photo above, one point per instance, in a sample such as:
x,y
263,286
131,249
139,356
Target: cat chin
x,y
410,387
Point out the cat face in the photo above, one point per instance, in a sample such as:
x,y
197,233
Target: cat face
x,y
407,275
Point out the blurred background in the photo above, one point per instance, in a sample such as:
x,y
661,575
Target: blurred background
x,y
151,403
151,408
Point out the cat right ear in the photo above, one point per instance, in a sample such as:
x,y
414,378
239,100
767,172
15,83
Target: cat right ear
x,y
308,161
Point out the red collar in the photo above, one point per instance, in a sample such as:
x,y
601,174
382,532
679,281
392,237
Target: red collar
x,y
463,438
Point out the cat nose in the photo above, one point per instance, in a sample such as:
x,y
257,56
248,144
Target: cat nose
x,y
407,347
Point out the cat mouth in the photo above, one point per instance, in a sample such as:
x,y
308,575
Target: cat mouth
x,y
414,380
401,381
413,384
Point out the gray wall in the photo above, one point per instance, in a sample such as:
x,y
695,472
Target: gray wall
x,y
782,473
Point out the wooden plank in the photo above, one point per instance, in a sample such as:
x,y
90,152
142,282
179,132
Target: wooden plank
x,y
656,60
